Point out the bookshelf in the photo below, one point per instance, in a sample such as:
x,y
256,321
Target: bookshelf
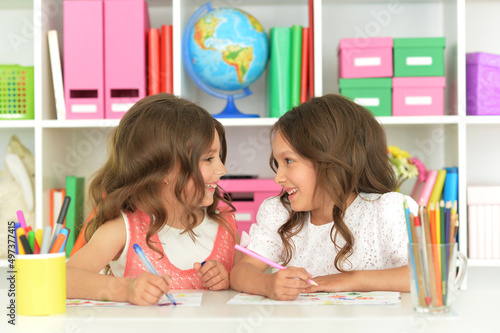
x,y
78,147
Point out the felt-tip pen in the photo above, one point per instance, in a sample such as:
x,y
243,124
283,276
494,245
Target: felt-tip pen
x,y
150,267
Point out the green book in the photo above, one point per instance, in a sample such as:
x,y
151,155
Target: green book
x,y
75,188
295,65
279,71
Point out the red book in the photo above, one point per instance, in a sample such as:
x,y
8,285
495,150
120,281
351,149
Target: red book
x,y
304,66
153,61
166,61
311,48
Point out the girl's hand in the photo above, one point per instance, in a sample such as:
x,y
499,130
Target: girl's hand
x,y
213,274
331,283
287,284
148,288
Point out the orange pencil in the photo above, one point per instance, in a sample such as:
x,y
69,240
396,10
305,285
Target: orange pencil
x,y
437,270
58,243
430,261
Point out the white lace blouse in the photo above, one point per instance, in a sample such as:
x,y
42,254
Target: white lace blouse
x,y
376,221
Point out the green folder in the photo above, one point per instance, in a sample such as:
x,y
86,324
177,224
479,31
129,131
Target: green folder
x,y
296,65
279,71
75,188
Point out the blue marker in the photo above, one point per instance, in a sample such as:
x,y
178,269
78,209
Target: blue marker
x,y
149,266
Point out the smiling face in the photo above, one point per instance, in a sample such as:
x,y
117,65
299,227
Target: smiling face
x,y
211,169
296,175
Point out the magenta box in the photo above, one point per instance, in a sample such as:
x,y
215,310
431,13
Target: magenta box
x,y
126,23
247,196
418,96
483,84
365,57
83,59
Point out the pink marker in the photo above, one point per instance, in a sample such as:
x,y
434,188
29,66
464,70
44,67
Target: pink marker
x,y
265,260
20,218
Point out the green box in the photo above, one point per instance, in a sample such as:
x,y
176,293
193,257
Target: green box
x,y
419,56
16,92
375,94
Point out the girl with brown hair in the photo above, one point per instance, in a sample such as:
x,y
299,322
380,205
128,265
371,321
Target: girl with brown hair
x,y
158,189
337,220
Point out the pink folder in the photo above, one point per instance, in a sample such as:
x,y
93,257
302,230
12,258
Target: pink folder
x,y
125,30
83,59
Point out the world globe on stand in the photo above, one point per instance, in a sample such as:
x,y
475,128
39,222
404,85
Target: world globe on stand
x,y
224,51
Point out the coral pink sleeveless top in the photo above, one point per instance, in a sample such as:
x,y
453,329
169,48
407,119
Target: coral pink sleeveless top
x,y
222,251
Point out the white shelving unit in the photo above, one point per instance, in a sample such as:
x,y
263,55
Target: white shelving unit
x,y
78,147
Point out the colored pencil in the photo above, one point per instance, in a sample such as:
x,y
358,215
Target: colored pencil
x,y
430,259
417,266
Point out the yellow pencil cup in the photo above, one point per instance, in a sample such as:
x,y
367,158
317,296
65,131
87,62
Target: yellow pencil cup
x,y
40,284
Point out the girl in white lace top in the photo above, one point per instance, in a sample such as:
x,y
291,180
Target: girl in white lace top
x,y
337,220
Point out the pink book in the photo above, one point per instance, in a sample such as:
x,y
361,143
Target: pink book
x,y
429,185
83,59
417,189
126,23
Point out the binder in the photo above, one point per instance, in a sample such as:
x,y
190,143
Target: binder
x,y
83,59
153,61
57,81
75,187
126,23
279,71
166,60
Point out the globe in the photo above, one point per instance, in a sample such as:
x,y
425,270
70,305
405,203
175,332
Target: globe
x,y
225,50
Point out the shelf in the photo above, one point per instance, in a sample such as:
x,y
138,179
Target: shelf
x,y
484,262
482,120
416,120
98,123
17,124
235,122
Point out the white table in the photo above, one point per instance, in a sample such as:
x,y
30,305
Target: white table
x,y
476,311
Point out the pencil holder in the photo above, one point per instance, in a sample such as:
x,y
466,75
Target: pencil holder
x,y
40,284
436,274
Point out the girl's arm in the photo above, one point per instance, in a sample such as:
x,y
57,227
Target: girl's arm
x,y
393,279
83,278
248,276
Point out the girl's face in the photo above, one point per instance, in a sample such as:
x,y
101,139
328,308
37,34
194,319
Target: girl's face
x,y
211,168
296,175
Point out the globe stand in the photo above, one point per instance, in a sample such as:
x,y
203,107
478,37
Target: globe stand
x,y
230,111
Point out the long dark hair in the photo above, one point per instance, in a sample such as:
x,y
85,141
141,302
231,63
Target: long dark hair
x,y
159,133
348,149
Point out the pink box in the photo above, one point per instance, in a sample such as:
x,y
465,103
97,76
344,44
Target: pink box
x,y
126,23
247,195
365,57
418,96
83,59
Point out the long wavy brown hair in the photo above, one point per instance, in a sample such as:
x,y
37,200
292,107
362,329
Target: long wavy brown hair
x,y
159,134
348,149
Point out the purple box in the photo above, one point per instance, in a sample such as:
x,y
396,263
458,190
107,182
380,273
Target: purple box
x,y
483,84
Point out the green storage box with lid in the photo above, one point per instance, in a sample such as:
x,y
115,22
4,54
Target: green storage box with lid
x,y
375,94
419,56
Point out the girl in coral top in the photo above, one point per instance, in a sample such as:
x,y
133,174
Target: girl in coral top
x,y
160,184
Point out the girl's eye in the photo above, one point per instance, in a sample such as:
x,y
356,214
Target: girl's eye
x,y
288,160
209,159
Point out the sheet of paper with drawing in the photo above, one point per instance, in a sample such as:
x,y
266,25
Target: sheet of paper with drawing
x,y
350,298
182,299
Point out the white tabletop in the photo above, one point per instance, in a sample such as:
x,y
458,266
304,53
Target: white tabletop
x,y
473,311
